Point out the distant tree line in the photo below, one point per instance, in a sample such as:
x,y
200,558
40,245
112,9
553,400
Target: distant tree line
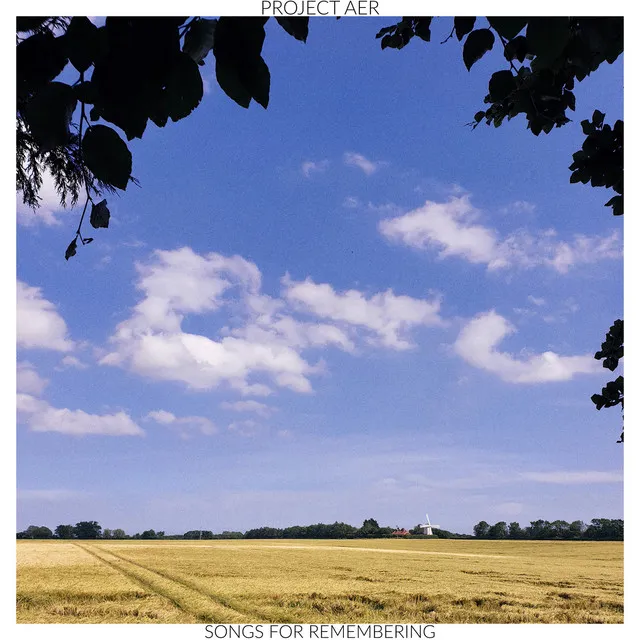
x,y
599,529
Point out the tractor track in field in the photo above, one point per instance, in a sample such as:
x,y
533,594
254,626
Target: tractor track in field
x,y
199,604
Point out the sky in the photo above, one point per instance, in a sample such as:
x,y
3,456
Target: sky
x,y
347,306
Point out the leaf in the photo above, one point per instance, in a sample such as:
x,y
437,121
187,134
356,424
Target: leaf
x,y
39,59
184,88
587,127
616,203
107,156
463,26
501,85
422,28
48,115
71,249
296,27
81,42
240,69
86,92
508,28
231,83
100,215
597,118
479,116
199,39
478,42
547,38
516,49
259,83
87,240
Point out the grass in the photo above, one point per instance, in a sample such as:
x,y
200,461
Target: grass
x,y
419,581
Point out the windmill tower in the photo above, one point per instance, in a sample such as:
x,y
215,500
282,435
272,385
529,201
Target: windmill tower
x,y
427,529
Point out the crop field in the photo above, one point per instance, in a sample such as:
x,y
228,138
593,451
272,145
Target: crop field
x,y
314,581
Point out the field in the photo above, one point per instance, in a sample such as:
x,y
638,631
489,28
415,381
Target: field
x,y
252,581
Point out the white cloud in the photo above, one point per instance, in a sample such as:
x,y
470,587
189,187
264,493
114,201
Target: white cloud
x,y
174,283
538,302
388,316
28,380
359,161
45,214
39,415
309,167
185,424
453,228
72,361
262,338
243,406
38,324
477,343
574,477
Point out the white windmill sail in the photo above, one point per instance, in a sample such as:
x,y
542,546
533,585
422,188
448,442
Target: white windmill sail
x,y
427,529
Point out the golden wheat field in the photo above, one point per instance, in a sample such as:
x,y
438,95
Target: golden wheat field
x,y
252,581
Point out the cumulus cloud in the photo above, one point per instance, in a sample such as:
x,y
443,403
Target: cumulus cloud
x,y
477,343
185,424
574,477
175,283
28,380
309,167
262,339
38,324
39,415
387,316
453,228
357,160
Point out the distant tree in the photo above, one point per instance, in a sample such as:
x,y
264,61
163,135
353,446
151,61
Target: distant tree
x,y
36,533
498,531
605,529
369,529
559,530
443,533
576,529
539,530
264,532
481,530
107,534
416,531
119,534
64,531
296,532
150,534
87,530
516,532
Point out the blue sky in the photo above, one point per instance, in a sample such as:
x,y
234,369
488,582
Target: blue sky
x,y
349,305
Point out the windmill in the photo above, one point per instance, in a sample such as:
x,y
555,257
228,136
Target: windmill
x,y
427,529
